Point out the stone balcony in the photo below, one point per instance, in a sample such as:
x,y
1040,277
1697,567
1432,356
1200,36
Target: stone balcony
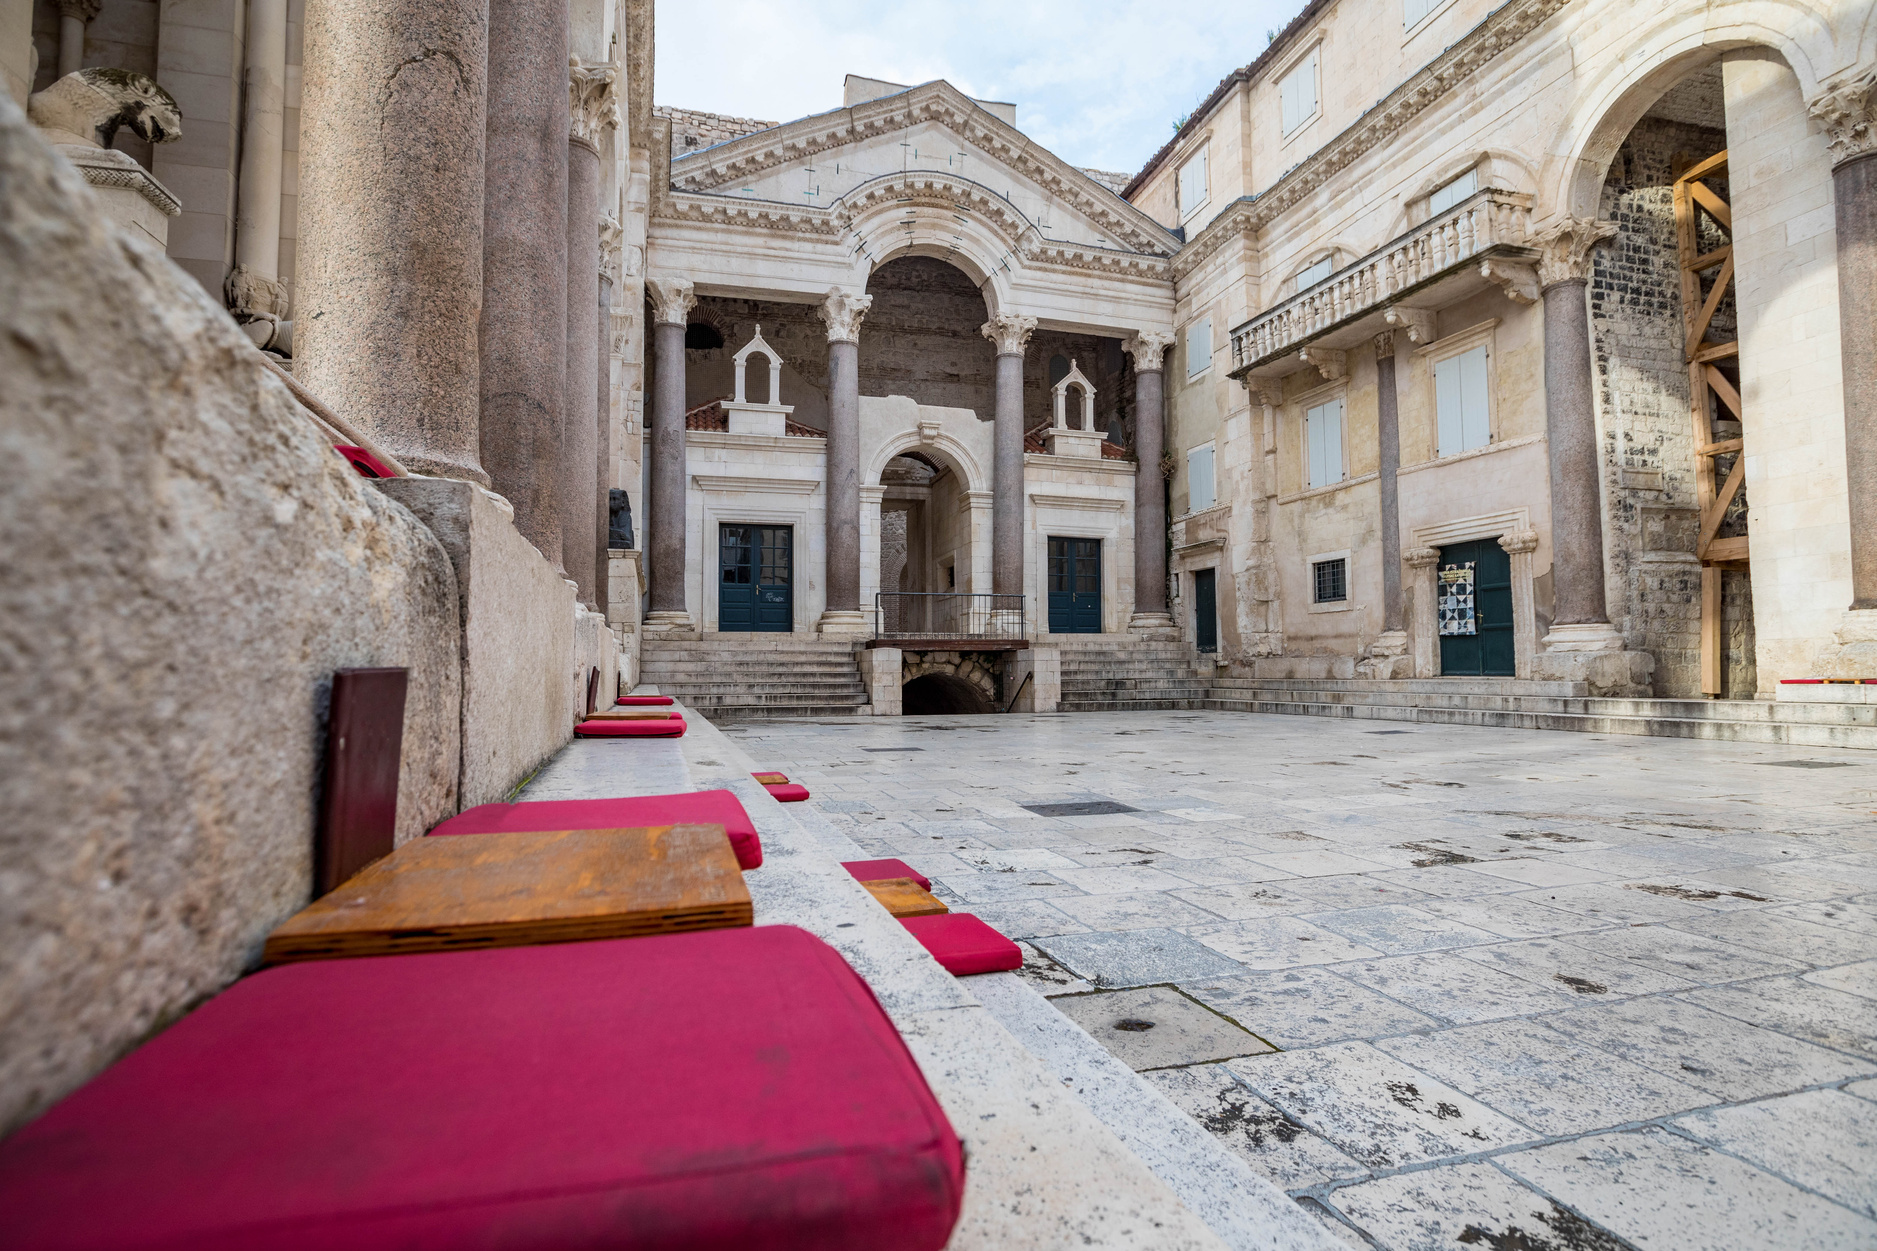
x,y
1479,242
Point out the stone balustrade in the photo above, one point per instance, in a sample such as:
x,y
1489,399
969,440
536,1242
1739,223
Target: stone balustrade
x,y
1485,223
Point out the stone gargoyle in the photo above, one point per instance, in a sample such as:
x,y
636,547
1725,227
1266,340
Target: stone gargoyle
x,y
88,107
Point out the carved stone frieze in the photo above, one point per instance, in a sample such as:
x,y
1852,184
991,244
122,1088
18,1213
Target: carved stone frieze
x,y
592,101
1384,345
842,312
1009,333
1149,350
1847,109
1564,249
673,299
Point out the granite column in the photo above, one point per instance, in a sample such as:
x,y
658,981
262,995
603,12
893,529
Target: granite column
x,y
1010,334
1149,349
524,279
590,103
1854,185
842,313
389,280
1388,437
672,301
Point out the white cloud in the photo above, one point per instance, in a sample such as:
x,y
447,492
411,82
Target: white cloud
x,y
1099,83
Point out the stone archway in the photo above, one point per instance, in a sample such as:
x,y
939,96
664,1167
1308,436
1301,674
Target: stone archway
x,y
950,677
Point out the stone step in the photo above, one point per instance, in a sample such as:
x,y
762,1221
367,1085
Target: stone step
x,y
1767,711
1412,686
1199,690
1131,705
748,673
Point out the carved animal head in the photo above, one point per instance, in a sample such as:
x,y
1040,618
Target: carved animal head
x,y
95,103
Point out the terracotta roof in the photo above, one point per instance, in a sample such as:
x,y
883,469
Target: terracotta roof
x,y
1033,442
712,417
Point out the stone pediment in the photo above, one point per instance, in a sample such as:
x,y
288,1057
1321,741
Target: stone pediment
x,y
931,142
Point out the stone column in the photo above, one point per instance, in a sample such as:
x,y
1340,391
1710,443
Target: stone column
x,y
672,302
1847,112
842,312
1009,334
591,110
1581,619
388,278
1150,618
254,290
1388,436
1426,611
524,278
74,16
1519,545
603,399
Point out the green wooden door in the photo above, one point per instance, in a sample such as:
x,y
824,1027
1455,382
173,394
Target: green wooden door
x,y
755,590
1074,586
1474,608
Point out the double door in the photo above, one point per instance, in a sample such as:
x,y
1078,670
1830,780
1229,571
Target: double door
x,y
1074,586
755,579
1473,596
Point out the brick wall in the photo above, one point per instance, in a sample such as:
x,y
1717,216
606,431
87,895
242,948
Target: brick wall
x,y
693,129
1649,465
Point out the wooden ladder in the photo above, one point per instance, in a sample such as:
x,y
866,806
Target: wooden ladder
x,y
1706,383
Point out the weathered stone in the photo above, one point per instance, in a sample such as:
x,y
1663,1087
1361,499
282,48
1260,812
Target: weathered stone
x,y
183,564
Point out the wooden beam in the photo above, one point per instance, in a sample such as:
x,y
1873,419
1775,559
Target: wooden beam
x,y
1708,260
1725,389
1702,169
1706,315
1715,207
1717,352
1731,550
1710,631
1712,516
1720,449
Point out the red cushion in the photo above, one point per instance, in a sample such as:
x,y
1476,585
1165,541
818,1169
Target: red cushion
x,y
670,727
724,1089
964,944
697,807
787,792
368,465
644,701
881,870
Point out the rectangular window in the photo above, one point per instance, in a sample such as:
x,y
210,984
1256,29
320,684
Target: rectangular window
x,y
1199,347
1201,482
1193,189
1461,402
1332,580
1450,194
1316,273
1298,92
1323,437
1414,10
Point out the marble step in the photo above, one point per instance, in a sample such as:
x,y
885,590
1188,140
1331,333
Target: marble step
x,y
1745,710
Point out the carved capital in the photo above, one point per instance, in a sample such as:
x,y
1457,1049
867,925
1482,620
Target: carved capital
x,y
1566,249
1149,350
1330,362
1519,541
1418,322
842,312
1519,281
1385,345
1845,109
1422,557
592,102
672,299
1010,332
83,10
612,247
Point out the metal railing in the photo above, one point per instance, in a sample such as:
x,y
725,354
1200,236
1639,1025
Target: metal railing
x,y
947,615
1485,221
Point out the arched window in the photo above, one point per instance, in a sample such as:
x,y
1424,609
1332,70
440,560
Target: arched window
x,y
701,335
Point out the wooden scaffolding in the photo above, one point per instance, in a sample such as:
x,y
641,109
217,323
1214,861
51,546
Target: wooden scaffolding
x,y
1706,278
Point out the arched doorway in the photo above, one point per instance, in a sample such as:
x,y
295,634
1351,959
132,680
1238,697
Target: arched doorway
x,y
941,694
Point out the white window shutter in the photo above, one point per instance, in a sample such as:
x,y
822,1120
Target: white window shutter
x,y
1307,87
1201,482
1287,92
1333,441
1198,347
1448,406
1478,430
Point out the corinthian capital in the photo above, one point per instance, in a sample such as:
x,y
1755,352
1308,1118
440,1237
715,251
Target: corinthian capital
x,y
591,100
1845,109
1010,332
672,299
1565,249
842,311
83,10
1149,350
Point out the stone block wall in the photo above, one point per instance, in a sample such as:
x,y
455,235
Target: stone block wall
x,y
694,129
183,564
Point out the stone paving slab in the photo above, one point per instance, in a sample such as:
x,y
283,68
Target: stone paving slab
x,y
1823,1140
1157,1027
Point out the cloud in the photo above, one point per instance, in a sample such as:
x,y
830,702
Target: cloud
x,y
1099,83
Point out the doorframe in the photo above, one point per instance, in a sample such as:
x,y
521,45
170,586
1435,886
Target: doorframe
x,y
727,513
1105,556
1060,516
1514,531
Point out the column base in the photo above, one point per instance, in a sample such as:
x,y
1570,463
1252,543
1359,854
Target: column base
x,y
843,624
1153,625
1387,657
669,624
1593,653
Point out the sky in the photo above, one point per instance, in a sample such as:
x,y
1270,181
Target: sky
x,y
1099,82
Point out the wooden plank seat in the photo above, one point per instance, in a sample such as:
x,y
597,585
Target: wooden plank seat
x,y
707,1091
880,870
452,894
719,807
904,897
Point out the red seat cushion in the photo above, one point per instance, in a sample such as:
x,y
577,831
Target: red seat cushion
x,y
670,727
883,870
369,466
964,944
718,1090
695,807
787,792
644,701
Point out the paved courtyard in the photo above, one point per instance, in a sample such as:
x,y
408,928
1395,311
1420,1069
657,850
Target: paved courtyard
x,y
1445,986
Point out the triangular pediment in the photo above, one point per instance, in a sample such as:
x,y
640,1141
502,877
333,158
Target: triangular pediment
x,y
833,161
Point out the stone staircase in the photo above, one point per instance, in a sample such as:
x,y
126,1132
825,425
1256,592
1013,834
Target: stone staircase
x,y
752,677
1105,672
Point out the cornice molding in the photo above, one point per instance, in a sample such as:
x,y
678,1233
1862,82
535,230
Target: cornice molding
x,y
938,102
1246,217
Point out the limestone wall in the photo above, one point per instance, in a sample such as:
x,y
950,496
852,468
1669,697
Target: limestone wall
x,y
183,563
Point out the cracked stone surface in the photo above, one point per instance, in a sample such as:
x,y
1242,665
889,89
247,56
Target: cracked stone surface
x,y
1530,991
